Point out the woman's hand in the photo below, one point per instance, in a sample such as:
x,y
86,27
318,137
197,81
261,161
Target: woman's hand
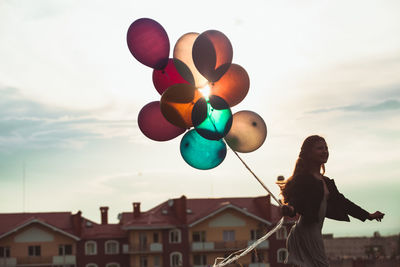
x,y
376,216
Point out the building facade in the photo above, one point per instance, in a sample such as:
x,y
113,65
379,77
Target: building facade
x,y
196,232
178,232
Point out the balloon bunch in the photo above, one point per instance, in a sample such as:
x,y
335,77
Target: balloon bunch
x,y
198,87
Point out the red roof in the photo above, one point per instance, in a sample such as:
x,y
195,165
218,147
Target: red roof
x,y
103,231
197,209
59,220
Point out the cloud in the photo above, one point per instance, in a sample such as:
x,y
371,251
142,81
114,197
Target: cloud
x,y
387,105
29,124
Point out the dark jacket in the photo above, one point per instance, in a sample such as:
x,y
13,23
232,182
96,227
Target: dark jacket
x,y
306,197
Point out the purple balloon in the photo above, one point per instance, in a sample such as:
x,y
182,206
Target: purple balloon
x,y
148,42
153,124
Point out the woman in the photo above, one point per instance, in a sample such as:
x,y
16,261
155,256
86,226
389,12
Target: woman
x,y
312,195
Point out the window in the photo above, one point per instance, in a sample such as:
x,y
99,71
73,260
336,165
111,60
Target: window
x,y
4,252
175,236
142,241
199,236
90,248
229,235
155,238
176,259
143,261
257,256
281,233
91,265
64,250
282,254
34,250
157,261
111,247
200,259
112,264
255,234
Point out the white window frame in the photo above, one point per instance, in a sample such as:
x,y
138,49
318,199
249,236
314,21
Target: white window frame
x,y
171,258
175,236
112,263
111,242
91,265
228,235
280,251
87,243
281,233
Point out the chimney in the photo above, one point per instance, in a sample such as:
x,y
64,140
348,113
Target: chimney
x,y
104,215
136,209
77,223
179,206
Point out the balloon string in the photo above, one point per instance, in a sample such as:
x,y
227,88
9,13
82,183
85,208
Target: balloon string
x,y
237,155
255,176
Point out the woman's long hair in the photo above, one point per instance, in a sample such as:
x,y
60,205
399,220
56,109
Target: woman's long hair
x,y
302,166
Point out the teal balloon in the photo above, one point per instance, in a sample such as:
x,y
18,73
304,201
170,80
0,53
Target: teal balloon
x,y
212,117
202,153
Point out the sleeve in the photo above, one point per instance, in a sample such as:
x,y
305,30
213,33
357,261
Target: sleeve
x,y
304,201
349,207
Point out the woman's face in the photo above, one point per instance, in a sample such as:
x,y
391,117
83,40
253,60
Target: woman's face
x,y
319,153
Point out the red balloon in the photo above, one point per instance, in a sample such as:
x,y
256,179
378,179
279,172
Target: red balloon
x,y
233,86
153,124
212,54
148,42
162,79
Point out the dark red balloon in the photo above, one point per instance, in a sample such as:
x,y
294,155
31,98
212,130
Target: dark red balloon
x,y
162,79
212,54
148,42
153,124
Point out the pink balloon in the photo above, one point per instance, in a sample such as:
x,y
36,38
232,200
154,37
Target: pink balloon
x,y
148,42
153,124
162,79
212,54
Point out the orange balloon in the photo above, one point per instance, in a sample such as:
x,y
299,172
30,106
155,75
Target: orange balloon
x,y
233,85
184,61
177,103
248,132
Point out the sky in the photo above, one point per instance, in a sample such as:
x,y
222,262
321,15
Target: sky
x,y
70,94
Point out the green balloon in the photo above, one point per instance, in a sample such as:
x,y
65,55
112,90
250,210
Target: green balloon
x,y
212,117
201,153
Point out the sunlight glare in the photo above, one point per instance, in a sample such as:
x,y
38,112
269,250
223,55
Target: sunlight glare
x,y
205,91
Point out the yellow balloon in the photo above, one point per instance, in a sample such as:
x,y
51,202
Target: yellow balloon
x,y
184,61
248,132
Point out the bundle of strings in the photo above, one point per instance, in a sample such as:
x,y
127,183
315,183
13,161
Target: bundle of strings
x,y
240,253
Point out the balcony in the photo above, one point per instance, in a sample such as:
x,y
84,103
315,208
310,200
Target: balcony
x,y
202,246
8,262
259,265
143,249
262,245
229,245
37,260
66,259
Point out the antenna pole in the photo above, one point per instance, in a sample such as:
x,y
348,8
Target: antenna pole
x,y
23,186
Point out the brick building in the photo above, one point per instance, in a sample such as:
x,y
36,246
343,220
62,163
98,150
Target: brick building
x,y
194,232
177,232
